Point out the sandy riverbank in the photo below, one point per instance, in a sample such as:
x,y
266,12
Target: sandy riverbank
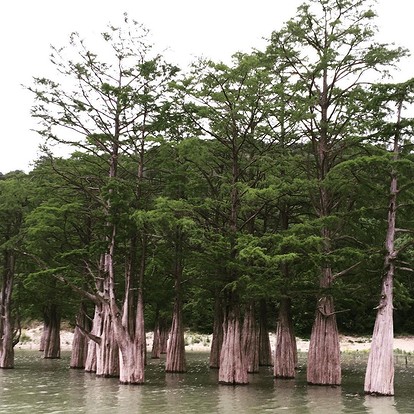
x,y
198,342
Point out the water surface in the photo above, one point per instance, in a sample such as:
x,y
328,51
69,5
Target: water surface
x,y
37,385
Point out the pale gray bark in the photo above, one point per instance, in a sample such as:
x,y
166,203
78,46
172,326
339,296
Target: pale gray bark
x,y
379,376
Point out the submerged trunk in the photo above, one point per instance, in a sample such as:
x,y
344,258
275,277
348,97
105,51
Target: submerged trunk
x,y
107,352
233,367
132,348
217,341
175,361
285,357
6,322
250,339
156,341
80,340
129,329
285,349
265,350
51,332
324,366
160,341
379,377
90,362
164,335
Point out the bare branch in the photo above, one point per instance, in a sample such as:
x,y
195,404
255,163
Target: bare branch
x,y
344,272
92,337
327,315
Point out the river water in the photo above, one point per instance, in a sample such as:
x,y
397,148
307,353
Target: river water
x,y
49,386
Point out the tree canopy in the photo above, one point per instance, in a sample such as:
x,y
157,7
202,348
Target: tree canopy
x,y
265,180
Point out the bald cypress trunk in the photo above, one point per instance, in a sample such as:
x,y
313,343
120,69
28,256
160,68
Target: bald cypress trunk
x,y
176,361
6,322
51,332
107,352
132,348
164,334
80,340
156,340
285,348
250,339
379,376
217,340
160,339
233,366
129,332
324,366
265,350
91,355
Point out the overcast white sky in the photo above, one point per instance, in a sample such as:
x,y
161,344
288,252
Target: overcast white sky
x,y
189,28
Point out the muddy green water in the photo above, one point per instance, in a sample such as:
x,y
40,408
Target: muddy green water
x,y
49,386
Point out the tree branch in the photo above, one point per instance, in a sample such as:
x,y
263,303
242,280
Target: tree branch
x,y
92,337
344,272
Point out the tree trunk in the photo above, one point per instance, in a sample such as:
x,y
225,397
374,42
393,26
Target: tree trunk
x,y
285,349
233,367
164,334
129,329
51,332
265,350
217,341
324,366
107,353
90,363
80,340
175,361
132,348
6,322
42,338
250,339
156,341
379,377
131,364
176,346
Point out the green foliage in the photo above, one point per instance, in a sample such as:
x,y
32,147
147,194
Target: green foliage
x,y
238,181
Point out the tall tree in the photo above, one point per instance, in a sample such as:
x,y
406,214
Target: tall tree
x,y
104,107
379,378
228,103
330,50
53,243
13,209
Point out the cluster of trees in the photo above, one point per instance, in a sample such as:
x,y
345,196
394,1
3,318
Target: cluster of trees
x,y
213,198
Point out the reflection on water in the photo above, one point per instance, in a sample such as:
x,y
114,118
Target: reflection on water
x,y
49,386
383,405
324,399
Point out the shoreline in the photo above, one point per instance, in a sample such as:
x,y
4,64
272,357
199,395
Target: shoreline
x,y
200,342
